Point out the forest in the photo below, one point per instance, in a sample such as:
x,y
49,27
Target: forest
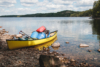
x,y
96,9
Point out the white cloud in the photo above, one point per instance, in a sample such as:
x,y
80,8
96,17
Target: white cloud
x,y
28,2
85,3
62,2
7,3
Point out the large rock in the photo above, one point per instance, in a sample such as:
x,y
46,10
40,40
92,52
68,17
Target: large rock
x,y
56,44
49,61
84,45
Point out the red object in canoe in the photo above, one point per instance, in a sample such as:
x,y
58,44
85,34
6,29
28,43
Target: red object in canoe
x,y
41,29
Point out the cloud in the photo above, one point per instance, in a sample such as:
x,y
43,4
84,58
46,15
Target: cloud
x,y
64,2
84,3
7,3
28,2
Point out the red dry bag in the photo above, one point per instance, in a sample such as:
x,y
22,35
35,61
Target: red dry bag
x,y
41,29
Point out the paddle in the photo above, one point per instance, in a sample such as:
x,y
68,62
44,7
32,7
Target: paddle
x,y
26,34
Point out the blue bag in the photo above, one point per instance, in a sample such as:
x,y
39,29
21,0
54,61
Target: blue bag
x,y
41,35
34,34
48,35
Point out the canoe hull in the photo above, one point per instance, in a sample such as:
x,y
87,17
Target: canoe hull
x,y
13,44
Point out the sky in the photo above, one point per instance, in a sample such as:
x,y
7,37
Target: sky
x,y
21,7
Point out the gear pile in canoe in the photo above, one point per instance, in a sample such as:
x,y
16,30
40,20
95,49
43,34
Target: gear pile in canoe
x,y
40,36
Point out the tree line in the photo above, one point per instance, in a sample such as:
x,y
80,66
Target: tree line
x,y
65,13
96,9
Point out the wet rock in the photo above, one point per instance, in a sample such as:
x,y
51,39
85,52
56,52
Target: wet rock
x,y
56,45
95,58
46,49
49,61
61,59
67,42
89,50
55,48
63,54
99,50
84,45
72,60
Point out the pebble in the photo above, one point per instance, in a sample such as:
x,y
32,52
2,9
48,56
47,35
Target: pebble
x,y
60,58
20,62
45,52
67,42
57,56
99,50
63,65
63,54
89,50
95,58
84,45
72,60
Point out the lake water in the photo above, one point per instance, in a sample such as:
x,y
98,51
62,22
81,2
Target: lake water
x,y
75,30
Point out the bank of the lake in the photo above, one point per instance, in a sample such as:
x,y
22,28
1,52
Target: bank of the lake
x,y
31,56
75,30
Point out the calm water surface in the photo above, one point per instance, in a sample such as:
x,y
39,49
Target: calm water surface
x,y
75,30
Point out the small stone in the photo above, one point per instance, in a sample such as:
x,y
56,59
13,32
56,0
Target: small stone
x,y
20,62
86,64
50,52
3,64
95,58
84,45
57,56
72,60
63,54
99,50
89,50
45,52
67,42
60,58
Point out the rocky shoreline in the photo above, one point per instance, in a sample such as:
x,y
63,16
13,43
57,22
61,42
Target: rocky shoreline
x,y
30,57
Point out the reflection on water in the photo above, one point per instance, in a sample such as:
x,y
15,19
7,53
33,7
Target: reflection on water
x,y
45,45
96,28
75,30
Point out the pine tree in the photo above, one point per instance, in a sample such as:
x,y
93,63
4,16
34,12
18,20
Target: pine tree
x,y
96,9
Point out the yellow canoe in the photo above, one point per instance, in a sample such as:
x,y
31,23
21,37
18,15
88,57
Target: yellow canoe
x,y
13,44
